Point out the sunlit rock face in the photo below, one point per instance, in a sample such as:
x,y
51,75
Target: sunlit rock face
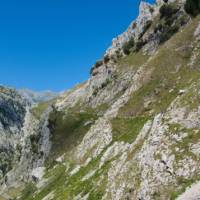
x,y
12,115
146,13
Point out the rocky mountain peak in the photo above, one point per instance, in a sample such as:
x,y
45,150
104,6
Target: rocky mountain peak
x,y
146,12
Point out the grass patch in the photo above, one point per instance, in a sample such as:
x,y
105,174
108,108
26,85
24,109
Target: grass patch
x,y
192,138
183,184
28,191
132,61
127,129
39,109
68,187
68,129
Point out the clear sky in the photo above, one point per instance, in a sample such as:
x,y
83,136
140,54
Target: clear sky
x,y
52,44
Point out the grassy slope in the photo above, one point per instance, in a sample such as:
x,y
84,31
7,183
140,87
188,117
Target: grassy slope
x,y
68,129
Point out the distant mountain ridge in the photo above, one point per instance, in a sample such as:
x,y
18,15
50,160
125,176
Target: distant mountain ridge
x,y
37,97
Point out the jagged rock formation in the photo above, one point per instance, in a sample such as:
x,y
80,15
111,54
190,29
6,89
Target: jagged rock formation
x,y
12,113
132,131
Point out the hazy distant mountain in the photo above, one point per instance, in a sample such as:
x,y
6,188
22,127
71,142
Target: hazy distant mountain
x,y
37,97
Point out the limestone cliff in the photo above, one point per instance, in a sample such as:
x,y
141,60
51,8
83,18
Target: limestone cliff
x,y
131,131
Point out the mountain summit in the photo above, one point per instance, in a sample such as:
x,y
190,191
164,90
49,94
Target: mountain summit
x,y
131,131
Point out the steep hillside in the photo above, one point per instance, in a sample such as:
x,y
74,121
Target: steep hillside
x,y
132,131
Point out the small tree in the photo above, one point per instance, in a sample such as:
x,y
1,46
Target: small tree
x,y
192,7
167,10
128,46
106,59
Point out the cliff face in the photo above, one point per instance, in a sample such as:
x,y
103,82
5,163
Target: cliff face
x,y
12,113
132,131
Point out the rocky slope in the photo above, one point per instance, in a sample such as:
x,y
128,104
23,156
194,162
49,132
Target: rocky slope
x,y
132,131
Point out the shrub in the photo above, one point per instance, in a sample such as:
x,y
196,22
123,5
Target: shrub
x,y
106,59
169,31
95,91
192,7
104,84
146,27
128,46
34,139
139,44
167,10
170,22
96,65
28,190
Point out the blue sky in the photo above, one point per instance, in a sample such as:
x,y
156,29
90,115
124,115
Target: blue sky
x,y
52,44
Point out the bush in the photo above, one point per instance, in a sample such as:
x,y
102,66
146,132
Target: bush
x,y
167,10
104,84
106,59
167,34
146,27
170,22
139,44
28,190
34,139
96,65
128,46
192,7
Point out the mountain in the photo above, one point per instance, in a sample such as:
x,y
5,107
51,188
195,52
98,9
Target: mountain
x,y
37,97
131,131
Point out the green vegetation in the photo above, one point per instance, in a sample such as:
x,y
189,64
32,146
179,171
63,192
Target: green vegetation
x,y
34,139
168,10
67,129
77,185
67,187
40,108
132,61
192,137
127,129
146,28
128,46
96,65
96,89
183,184
191,98
6,160
135,46
28,191
169,22
106,83
106,59
192,7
